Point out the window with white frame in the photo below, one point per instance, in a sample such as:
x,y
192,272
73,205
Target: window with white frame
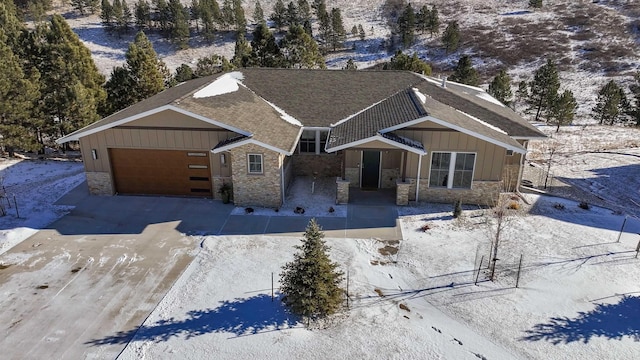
x,y
313,141
452,170
254,162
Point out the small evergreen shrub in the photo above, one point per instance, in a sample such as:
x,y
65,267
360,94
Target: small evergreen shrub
x,y
584,205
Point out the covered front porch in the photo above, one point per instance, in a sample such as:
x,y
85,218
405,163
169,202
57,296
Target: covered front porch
x,y
379,169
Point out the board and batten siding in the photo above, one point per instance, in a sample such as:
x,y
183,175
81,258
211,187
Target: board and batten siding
x,y
166,130
490,158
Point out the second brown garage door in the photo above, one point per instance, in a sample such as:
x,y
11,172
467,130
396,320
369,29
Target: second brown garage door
x,y
161,172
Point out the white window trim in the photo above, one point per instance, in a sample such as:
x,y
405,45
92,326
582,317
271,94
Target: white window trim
x,y
319,149
249,164
452,168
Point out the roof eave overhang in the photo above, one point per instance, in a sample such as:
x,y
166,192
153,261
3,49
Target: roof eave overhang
x,y
80,133
250,141
377,137
518,149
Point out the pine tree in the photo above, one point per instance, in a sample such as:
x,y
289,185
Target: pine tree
x,y
80,6
350,65
500,88
242,52
11,26
634,108
300,50
610,104
338,33
209,14
451,36
183,73
522,94
162,15
401,61
265,52
18,98
180,24
279,15
433,21
68,76
93,5
258,13
107,14
227,18
311,282
537,4
324,25
464,72
142,14
407,26
361,32
544,89
195,13
564,110
304,11
291,15
127,16
212,64
240,20
422,19
143,75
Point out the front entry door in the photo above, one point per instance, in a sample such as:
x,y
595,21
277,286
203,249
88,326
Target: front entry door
x,y
370,169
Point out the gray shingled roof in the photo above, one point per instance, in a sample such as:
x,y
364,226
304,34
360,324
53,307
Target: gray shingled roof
x,y
370,100
324,97
466,99
395,110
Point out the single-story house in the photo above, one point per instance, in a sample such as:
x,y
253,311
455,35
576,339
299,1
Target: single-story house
x,y
256,129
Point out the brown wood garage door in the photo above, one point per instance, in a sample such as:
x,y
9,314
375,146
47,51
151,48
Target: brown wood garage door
x,y
161,172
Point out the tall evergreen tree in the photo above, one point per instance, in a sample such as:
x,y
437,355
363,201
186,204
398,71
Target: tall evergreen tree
x,y
127,16
11,26
239,18
162,16
142,14
107,14
68,77
611,104
563,110
118,15
500,88
242,52
304,11
402,61
451,36
265,52
522,94
350,65
227,19
180,24
422,18
361,32
634,105
210,15
544,89
338,33
433,21
195,13
143,75
464,72
291,15
407,26
311,282
258,13
300,50
324,25
18,98
80,6
279,14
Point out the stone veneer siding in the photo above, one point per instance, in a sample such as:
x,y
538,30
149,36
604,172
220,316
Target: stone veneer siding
x,y
325,165
481,193
389,177
99,183
342,191
256,189
353,176
402,192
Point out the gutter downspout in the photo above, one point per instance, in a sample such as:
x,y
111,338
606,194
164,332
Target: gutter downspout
x,y
520,173
282,179
418,178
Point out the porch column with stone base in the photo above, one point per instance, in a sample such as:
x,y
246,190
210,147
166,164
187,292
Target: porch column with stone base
x,y
342,191
402,192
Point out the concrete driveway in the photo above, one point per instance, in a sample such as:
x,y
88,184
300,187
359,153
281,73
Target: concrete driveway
x,y
97,272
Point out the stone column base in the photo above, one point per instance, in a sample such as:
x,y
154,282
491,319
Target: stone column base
x,y
342,191
402,192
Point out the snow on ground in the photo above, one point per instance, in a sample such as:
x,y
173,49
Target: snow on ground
x,y
36,185
577,297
